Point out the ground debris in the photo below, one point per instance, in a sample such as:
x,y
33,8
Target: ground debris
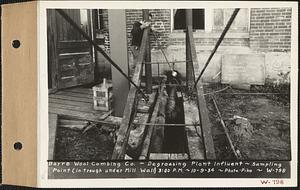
x,y
96,143
265,137
240,128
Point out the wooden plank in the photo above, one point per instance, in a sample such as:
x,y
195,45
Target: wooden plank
x,y
147,142
189,65
148,68
53,120
72,122
75,43
74,108
52,48
194,133
112,123
136,135
113,119
119,149
70,102
204,119
79,114
158,132
80,90
75,94
75,127
78,99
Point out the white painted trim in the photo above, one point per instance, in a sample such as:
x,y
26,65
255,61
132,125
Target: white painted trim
x,y
208,19
172,20
249,19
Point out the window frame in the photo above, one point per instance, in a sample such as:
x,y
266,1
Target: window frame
x,y
207,21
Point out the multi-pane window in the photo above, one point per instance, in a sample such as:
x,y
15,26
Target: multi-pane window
x,y
180,20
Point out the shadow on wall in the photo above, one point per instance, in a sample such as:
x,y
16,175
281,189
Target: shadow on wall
x,y
103,68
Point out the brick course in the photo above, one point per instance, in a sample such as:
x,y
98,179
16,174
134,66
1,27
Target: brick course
x,y
270,29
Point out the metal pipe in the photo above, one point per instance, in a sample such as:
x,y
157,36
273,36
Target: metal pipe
x,y
148,68
237,155
166,62
72,23
235,12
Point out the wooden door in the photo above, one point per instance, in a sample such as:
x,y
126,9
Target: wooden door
x,y
70,56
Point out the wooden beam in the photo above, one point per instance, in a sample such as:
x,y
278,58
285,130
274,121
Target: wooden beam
x,y
148,68
125,127
204,119
52,49
118,53
236,154
158,132
53,120
147,141
80,114
189,65
193,133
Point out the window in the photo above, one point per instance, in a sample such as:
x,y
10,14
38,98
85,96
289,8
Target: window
x,y
99,23
240,23
180,22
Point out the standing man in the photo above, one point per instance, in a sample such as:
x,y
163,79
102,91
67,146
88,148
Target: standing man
x,y
137,35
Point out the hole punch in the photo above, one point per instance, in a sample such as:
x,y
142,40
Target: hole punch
x,y
18,146
16,43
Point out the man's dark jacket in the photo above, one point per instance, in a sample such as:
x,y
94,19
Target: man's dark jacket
x,y
137,34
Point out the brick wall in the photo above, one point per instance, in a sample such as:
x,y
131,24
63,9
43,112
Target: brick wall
x,y
105,30
270,29
161,23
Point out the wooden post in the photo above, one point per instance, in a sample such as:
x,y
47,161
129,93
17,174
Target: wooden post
x,y
52,49
147,142
189,64
148,67
125,127
203,111
119,53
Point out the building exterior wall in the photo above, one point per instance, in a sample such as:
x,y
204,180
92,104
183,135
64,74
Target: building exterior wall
x,y
255,31
161,24
270,29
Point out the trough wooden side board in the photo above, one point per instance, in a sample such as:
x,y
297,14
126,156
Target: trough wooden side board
x,y
19,76
120,146
203,115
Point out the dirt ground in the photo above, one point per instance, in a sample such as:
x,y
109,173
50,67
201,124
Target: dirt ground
x,y
268,134
72,144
